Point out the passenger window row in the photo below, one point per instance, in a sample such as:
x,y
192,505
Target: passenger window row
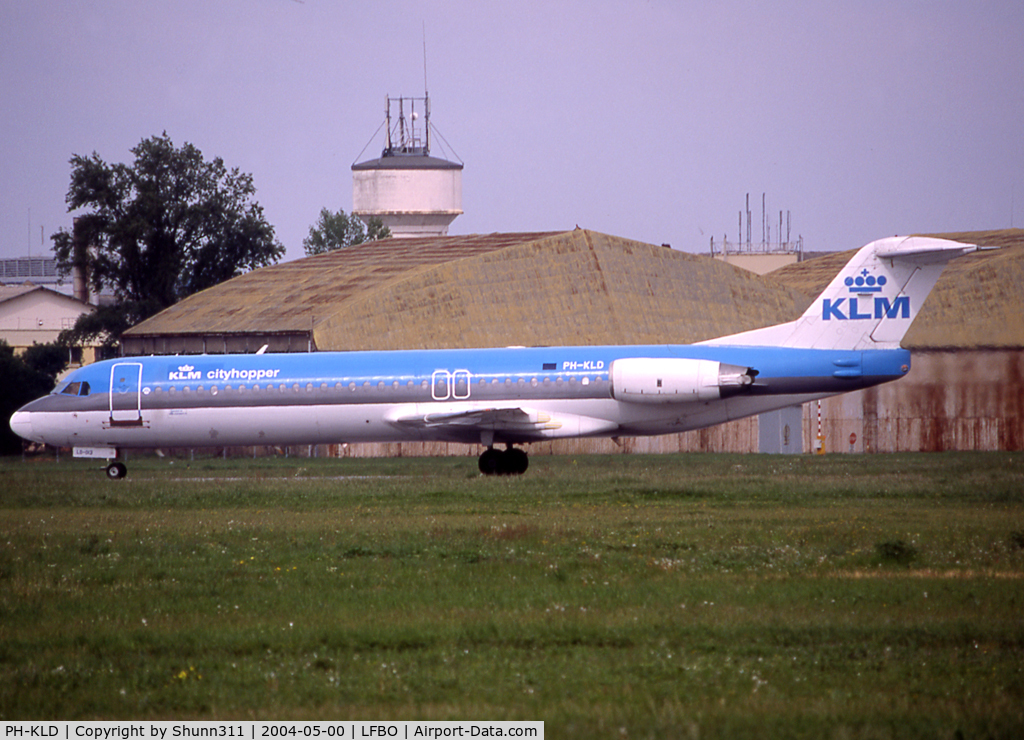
x,y
83,388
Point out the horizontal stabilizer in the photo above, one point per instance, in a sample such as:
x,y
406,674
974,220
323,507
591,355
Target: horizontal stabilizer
x,y
924,250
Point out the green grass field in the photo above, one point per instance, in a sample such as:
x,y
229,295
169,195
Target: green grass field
x,y
688,596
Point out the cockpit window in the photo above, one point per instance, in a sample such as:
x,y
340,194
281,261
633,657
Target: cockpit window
x,y
76,389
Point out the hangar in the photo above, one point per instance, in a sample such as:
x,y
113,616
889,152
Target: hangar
x,y
581,287
576,287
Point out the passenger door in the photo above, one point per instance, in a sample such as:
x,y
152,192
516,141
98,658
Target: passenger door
x,y
126,394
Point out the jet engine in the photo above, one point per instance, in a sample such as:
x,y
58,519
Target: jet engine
x,y
676,380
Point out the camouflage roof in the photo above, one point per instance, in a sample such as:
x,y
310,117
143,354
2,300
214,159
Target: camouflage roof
x,y
293,296
575,287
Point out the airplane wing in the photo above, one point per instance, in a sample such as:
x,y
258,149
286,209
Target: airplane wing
x,y
505,419
490,424
495,419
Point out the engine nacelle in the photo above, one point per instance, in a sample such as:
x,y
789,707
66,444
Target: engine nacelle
x,y
676,380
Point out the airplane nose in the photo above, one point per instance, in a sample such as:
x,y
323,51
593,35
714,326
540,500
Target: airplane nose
x,y
21,424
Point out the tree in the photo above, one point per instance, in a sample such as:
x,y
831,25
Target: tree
x,y
25,379
48,359
156,231
339,230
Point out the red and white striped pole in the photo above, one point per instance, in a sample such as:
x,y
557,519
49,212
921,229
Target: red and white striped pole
x,y
820,442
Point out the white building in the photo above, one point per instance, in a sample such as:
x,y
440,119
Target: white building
x,y
34,314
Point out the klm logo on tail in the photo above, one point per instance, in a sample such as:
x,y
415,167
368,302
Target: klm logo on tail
x,y
863,306
833,309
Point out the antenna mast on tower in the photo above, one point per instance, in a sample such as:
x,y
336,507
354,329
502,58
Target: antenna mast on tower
x,y
402,138
426,93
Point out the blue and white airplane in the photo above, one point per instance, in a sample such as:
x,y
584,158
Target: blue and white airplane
x,y
849,338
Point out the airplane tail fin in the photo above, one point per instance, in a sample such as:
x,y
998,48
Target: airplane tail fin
x,y
870,304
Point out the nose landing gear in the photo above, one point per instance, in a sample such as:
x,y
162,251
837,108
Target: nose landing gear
x,y
511,461
117,470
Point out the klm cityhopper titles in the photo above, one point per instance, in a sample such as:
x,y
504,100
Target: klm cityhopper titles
x,y
846,340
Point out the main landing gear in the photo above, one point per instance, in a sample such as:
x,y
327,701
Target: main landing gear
x,y
511,461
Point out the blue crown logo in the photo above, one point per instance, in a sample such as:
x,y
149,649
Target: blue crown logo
x,y
865,283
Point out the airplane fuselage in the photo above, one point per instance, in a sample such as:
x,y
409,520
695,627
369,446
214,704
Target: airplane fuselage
x,y
486,396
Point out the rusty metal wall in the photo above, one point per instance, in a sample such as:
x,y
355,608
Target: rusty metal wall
x,y
957,400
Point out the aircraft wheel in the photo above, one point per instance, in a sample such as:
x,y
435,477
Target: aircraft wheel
x,y
117,471
490,461
515,461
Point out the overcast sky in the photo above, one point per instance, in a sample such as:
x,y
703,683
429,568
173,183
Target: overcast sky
x,y
646,120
